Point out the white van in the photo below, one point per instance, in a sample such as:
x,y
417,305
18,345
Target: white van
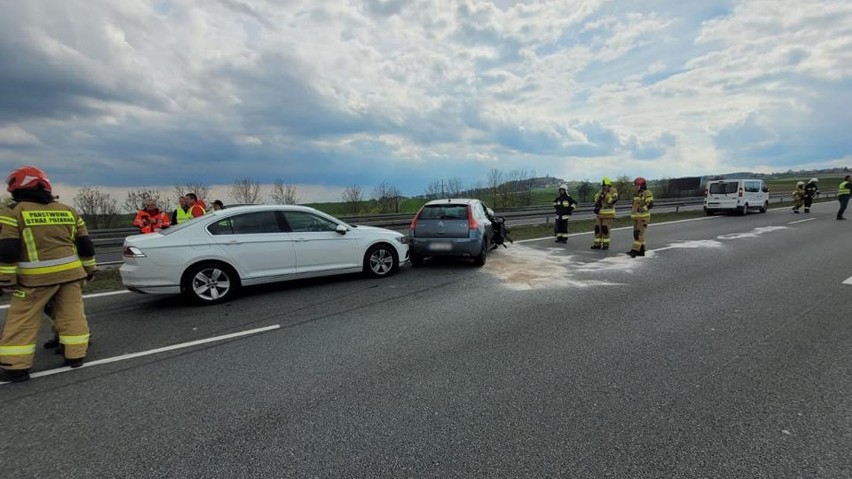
x,y
740,195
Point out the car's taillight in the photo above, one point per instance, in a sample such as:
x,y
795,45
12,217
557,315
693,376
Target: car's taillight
x,y
471,221
740,193
414,220
133,252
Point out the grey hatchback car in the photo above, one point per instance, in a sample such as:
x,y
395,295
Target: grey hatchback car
x,y
451,227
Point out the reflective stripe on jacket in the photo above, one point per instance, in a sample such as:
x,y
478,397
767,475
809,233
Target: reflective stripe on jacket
x,y
642,202
607,200
150,222
844,189
47,237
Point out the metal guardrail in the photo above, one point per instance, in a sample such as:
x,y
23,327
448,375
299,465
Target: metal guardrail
x,y
400,221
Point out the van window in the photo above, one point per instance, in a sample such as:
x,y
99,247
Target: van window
x,y
752,186
723,188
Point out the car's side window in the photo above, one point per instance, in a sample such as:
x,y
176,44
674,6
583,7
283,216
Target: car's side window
x,y
752,186
249,223
221,227
483,213
301,222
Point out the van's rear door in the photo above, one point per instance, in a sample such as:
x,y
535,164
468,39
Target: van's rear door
x,y
722,193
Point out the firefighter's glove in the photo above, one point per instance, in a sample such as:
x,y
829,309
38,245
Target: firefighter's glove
x,y
597,209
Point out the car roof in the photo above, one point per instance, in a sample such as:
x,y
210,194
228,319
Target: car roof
x,y
450,201
248,208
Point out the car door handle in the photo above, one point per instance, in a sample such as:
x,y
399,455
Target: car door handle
x,y
233,242
300,240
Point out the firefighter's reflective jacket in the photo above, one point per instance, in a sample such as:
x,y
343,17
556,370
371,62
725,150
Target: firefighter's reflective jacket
x,y
811,189
605,200
43,244
564,206
642,203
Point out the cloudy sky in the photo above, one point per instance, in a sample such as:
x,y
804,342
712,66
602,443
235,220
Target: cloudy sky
x,y
329,93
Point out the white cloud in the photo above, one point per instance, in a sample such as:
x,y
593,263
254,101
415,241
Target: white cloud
x,y
16,136
331,92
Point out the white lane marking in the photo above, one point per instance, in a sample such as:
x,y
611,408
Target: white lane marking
x,y
87,296
800,221
619,229
848,281
149,352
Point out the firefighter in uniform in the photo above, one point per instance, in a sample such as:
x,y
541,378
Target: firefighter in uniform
x,y
811,190
798,196
605,210
151,219
45,254
564,206
643,200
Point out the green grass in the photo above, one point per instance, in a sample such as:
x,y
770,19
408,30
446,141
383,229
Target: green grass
x,y
107,279
787,185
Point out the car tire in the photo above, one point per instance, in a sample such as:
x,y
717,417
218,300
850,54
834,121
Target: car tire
x,y
708,212
765,207
380,261
743,210
416,260
480,259
210,283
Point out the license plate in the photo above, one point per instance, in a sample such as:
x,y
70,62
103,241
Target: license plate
x,y
440,246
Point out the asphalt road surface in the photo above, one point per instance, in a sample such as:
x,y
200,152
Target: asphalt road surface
x,y
725,353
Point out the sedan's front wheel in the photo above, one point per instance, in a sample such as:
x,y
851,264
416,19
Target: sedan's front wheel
x,y
380,261
210,283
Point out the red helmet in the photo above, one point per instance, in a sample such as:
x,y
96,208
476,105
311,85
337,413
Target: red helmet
x,y
639,181
28,178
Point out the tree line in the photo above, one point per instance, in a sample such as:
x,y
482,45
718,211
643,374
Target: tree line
x,y
499,189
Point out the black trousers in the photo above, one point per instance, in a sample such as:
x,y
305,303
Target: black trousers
x,y
844,200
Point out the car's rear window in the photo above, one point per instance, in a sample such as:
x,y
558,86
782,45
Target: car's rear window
x,y
723,188
444,212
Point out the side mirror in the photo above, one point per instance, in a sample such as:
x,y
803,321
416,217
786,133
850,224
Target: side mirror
x,y
341,229
490,212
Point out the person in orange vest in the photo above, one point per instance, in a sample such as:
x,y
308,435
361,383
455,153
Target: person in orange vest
x,y
45,254
196,206
151,219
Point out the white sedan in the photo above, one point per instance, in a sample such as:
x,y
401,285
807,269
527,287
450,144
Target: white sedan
x,y
210,257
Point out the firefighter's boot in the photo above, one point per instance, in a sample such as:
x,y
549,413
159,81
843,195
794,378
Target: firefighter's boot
x,y
74,363
15,375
